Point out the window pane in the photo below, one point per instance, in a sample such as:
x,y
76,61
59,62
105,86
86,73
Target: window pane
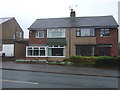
x,y
105,32
50,52
29,52
85,32
30,48
20,34
92,32
78,32
42,52
102,32
36,48
16,33
56,51
35,52
104,51
85,50
56,33
39,34
42,48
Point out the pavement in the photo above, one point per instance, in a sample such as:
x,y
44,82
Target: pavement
x,y
61,69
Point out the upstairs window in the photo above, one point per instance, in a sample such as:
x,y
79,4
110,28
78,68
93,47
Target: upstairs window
x,y
84,32
16,33
39,34
55,33
21,35
13,36
104,32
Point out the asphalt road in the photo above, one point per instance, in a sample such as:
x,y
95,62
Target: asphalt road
x,y
25,79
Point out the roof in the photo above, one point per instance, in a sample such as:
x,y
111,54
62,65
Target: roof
x,y
73,22
2,20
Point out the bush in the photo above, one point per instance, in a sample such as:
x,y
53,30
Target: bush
x,y
75,59
105,61
100,61
118,61
84,60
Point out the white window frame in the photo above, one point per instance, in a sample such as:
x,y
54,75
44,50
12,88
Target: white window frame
x,y
105,30
46,50
79,31
21,34
37,33
52,30
56,47
13,36
34,49
16,34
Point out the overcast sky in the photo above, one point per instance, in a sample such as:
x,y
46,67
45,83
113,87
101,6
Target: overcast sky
x,y
27,11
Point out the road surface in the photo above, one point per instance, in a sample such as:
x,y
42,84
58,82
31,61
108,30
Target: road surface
x,y
27,79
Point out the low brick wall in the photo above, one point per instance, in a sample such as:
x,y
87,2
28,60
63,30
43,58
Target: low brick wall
x,y
36,58
46,58
4,59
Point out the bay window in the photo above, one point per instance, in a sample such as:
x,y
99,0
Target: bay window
x,y
35,51
56,51
44,51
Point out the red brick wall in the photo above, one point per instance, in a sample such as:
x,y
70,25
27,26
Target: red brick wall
x,y
36,58
37,41
113,39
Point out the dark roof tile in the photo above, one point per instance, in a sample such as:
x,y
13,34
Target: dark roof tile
x,y
96,21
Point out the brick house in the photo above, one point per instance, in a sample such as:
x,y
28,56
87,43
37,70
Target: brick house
x,y
11,38
54,39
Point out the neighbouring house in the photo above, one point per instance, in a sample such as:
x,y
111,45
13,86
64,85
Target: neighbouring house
x,y
54,39
12,41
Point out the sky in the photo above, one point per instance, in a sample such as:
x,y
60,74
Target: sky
x,y
27,11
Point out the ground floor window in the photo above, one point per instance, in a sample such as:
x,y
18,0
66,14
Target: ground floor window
x,y
56,51
35,51
104,51
93,50
39,51
85,50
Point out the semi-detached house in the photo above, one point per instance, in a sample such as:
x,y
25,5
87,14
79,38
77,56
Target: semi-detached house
x,y
54,39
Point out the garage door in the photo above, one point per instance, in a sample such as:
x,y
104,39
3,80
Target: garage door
x,y
8,49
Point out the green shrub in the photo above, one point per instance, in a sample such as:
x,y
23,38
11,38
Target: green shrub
x,y
118,61
80,59
100,61
105,61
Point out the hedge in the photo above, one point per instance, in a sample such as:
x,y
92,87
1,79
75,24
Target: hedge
x,y
100,61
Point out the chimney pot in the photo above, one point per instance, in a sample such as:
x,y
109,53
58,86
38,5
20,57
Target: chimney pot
x,y
72,13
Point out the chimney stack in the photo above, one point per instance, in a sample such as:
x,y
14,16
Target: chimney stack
x,y
72,13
